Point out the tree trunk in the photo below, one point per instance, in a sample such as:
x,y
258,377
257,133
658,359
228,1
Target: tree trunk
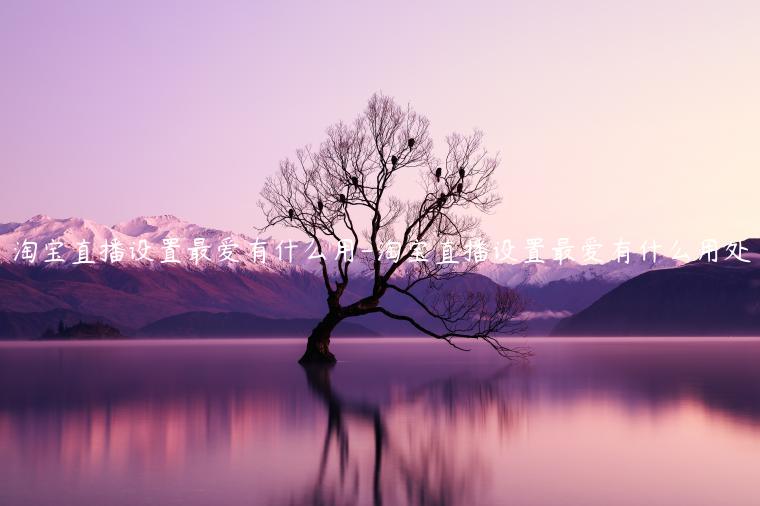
x,y
318,344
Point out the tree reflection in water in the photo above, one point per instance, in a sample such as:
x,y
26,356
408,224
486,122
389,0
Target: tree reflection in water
x,y
419,465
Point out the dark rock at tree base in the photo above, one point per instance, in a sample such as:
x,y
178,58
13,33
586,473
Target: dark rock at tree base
x,y
81,330
315,356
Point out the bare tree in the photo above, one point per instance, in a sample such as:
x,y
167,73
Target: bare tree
x,y
342,191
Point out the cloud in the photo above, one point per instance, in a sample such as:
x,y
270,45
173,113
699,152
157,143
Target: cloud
x,y
544,315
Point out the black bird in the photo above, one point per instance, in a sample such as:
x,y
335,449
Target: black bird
x,y
342,198
291,213
320,205
461,172
442,198
410,142
459,188
438,174
355,181
394,160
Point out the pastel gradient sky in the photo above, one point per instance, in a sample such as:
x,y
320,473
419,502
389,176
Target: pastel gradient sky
x,y
639,119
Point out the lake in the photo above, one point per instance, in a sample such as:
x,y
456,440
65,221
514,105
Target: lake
x,y
396,421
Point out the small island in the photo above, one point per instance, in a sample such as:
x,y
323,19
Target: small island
x,y
82,330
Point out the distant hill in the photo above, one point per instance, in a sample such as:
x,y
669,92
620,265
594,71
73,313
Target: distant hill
x,y
204,324
699,298
132,297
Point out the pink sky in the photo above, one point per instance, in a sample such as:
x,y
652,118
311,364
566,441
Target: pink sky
x,y
634,119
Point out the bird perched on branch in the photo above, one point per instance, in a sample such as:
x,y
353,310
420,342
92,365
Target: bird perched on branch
x,y
291,212
438,174
410,143
342,198
394,160
320,205
461,172
355,181
459,188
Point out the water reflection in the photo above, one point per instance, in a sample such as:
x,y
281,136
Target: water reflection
x,y
413,463
398,422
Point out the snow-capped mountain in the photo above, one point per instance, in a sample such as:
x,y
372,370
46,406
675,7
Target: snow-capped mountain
x,y
144,241
541,274
133,292
150,237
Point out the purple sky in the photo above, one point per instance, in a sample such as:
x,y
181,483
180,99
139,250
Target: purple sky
x,y
638,119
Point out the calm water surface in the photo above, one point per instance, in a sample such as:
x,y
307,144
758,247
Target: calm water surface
x,y
397,421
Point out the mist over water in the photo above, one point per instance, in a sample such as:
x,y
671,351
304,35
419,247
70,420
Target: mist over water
x,y
397,421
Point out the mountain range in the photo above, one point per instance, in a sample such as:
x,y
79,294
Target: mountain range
x,y
133,294
153,230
